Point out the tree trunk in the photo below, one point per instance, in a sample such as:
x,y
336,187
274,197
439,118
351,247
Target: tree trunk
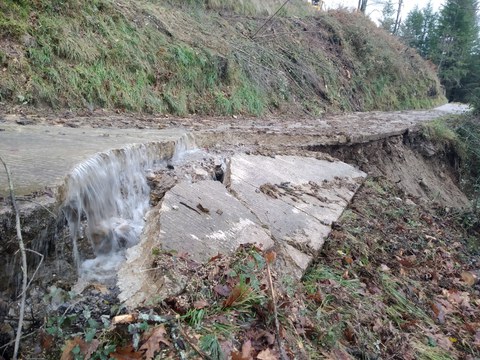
x,y
397,21
362,5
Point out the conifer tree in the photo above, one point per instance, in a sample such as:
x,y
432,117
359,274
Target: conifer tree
x,y
388,12
419,28
454,45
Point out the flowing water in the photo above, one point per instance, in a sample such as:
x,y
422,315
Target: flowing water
x,y
105,202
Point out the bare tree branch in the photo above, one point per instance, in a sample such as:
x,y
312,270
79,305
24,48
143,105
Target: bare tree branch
x,y
36,270
24,261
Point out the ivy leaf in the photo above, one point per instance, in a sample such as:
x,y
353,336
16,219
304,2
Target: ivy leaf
x,y
90,334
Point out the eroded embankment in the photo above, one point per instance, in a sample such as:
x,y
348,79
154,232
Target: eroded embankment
x,y
417,165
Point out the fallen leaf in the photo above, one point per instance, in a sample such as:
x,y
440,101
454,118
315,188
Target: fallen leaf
x,y
348,260
200,304
472,328
46,341
126,353
216,257
455,297
384,268
246,352
270,256
349,335
317,297
468,278
408,261
439,312
69,346
86,349
238,293
124,319
408,325
222,290
153,343
266,354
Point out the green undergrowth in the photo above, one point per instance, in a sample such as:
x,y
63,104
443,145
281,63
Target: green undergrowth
x,y
188,58
460,136
388,285
254,7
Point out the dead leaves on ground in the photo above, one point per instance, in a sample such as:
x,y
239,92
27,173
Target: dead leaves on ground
x,y
424,253
79,346
247,353
238,294
126,353
154,338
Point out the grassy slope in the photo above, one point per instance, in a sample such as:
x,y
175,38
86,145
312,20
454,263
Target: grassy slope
x,y
195,58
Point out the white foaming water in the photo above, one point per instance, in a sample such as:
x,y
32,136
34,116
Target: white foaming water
x,y
106,199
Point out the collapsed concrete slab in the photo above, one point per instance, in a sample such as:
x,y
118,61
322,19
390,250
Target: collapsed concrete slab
x,y
297,198
202,220
286,202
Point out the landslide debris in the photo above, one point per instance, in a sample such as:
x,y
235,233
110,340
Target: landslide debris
x,y
191,57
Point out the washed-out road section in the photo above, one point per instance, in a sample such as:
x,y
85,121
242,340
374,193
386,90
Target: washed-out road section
x,y
283,202
40,156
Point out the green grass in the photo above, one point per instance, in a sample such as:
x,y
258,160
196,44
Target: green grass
x,y
210,345
401,307
97,54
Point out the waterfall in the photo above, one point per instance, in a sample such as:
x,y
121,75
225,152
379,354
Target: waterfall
x,y
106,198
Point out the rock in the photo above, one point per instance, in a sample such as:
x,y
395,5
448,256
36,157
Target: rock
x,y
410,203
209,233
201,173
24,122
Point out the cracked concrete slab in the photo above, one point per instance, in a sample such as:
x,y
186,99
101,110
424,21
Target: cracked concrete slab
x,y
287,203
202,220
298,198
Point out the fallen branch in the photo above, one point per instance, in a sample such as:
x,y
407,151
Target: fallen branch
x,y
36,270
24,261
270,258
193,346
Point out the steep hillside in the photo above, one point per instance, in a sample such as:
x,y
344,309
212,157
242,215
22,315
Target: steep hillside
x,y
202,57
